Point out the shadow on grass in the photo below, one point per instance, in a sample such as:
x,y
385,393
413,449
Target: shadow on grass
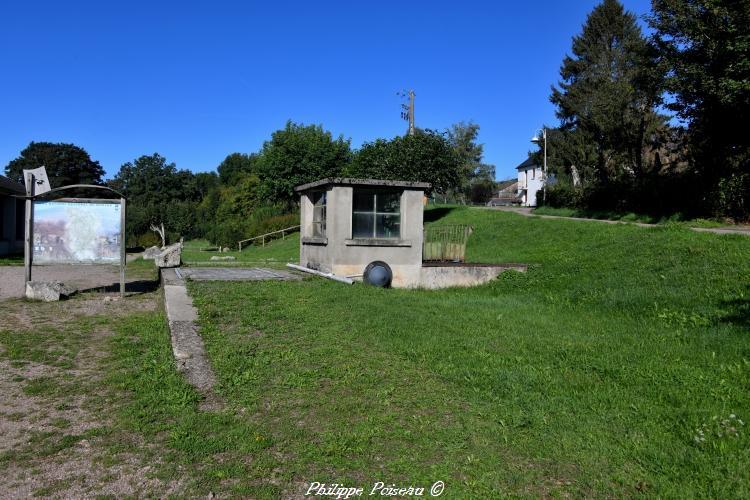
x,y
740,310
434,214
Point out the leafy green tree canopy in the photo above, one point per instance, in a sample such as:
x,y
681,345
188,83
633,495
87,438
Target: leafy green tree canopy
x,y
159,193
298,154
150,179
463,138
423,157
705,45
65,164
235,165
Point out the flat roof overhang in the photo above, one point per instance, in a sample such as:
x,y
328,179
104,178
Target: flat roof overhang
x,y
347,181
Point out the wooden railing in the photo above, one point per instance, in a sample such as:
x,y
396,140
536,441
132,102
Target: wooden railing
x,y
263,237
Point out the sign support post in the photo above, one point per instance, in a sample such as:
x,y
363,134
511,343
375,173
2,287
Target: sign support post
x,y
28,244
123,257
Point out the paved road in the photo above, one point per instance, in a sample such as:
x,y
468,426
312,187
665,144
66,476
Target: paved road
x,y
527,212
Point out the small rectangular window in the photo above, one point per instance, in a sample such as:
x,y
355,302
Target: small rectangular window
x,y
376,214
533,173
319,214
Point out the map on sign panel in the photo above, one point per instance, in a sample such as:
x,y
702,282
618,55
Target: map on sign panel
x,y
76,232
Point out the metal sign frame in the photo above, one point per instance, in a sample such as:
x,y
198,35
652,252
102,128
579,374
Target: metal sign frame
x,y
28,256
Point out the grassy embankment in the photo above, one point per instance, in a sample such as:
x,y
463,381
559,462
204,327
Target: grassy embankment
x,y
607,369
275,254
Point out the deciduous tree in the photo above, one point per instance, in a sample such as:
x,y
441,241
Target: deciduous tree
x,y
705,45
425,156
295,155
65,164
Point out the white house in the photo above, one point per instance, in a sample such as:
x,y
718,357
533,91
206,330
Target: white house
x,y
530,181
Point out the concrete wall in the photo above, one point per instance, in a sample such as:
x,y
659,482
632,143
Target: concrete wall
x,y
339,253
462,276
8,241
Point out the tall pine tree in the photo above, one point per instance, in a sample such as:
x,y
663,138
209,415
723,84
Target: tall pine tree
x,y
606,98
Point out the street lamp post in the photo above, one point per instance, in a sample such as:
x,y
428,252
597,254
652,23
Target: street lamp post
x,y
543,139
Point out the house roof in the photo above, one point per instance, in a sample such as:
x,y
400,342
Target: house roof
x,y
528,163
506,184
11,187
346,181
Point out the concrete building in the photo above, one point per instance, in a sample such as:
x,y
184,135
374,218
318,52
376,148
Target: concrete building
x,y
530,181
11,217
348,223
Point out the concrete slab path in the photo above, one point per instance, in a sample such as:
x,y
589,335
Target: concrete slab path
x,y
234,274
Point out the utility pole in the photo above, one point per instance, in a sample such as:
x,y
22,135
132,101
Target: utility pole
x,y
407,111
411,112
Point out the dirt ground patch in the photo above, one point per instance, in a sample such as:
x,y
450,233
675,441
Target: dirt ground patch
x,y
81,277
55,435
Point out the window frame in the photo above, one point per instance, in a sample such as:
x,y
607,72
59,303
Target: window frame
x,y
375,213
322,210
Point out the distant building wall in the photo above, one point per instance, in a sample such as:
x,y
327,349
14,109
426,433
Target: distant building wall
x,y
529,183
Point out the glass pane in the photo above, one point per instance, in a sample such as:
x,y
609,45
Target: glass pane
x,y
319,214
318,229
319,199
389,202
388,226
362,225
363,201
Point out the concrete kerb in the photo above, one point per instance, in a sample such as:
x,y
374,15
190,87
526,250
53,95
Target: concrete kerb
x,y
187,344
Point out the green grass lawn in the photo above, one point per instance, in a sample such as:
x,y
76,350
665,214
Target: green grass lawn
x,y
11,260
276,253
607,369
618,365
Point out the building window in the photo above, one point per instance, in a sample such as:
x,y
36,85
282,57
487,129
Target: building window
x,y
319,214
533,174
376,214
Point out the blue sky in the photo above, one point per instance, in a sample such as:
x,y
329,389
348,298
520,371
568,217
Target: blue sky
x,y
196,81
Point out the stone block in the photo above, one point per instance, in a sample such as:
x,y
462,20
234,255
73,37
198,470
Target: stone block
x,y
170,256
151,252
48,291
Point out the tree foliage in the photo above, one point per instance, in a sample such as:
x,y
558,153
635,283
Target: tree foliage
x,y
705,45
463,139
158,193
295,155
423,157
607,96
65,164
235,165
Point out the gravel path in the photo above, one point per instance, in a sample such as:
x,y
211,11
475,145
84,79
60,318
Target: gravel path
x,y
528,212
81,277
